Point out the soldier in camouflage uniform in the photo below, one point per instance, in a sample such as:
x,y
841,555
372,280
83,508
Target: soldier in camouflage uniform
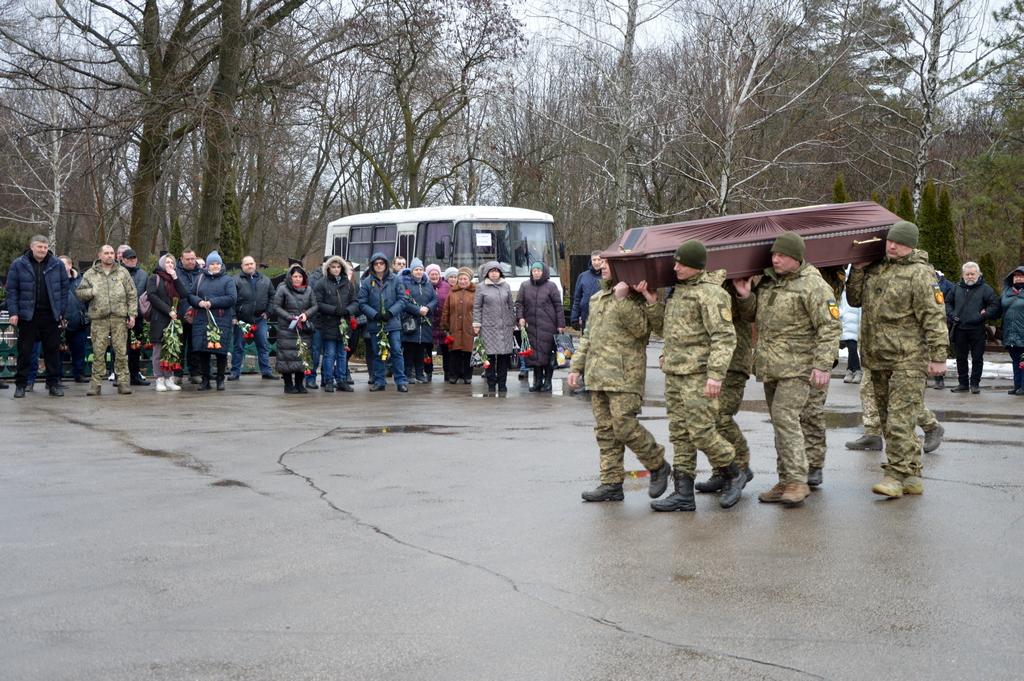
x,y
798,340
612,358
109,292
696,323
903,336
871,440
731,397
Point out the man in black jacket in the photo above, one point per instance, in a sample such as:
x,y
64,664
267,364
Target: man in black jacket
x,y
969,306
255,294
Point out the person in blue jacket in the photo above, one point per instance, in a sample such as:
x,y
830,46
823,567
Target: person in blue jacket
x,y
587,284
214,301
418,344
37,295
76,333
382,301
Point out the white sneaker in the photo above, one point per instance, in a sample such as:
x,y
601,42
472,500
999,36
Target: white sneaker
x,y
172,384
161,386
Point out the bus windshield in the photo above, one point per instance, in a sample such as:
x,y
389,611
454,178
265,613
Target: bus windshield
x,y
515,245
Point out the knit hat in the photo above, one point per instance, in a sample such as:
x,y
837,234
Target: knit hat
x,y
465,270
791,244
905,233
537,265
213,257
416,262
454,272
692,254
433,268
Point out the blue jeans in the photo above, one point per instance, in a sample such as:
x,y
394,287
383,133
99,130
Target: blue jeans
x,y
76,347
335,362
262,348
397,360
1016,355
316,347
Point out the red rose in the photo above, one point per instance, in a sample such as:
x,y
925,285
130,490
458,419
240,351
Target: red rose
x,y
449,340
353,324
408,292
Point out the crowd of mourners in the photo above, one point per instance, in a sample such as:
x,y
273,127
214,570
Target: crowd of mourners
x,y
196,320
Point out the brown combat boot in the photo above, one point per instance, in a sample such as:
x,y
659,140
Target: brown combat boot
x,y
795,493
774,495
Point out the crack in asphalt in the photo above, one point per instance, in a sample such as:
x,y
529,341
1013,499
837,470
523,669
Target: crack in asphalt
x,y
515,586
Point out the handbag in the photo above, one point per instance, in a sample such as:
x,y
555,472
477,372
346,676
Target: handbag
x,y
409,324
564,350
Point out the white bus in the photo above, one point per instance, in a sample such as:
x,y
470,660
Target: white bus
x,y
451,236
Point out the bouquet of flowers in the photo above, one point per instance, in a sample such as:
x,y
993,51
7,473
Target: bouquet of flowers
x,y
307,360
449,340
147,342
383,344
212,332
170,350
478,347
525,349
343,329
248,330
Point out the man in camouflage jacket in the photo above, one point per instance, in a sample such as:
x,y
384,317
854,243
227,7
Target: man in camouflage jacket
x,y
798,340
903,338
612,358
696,323
108,290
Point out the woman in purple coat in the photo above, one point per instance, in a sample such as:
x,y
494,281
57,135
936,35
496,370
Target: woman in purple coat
x,y
441,287
540,310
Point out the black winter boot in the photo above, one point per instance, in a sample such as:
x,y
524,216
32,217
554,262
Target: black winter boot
x,y
288,388
659,480
548,371
681,499
734,480
538,380
605,492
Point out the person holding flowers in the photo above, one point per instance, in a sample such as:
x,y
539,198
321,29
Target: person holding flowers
x,y
457,322
214,301
382,301
417,344
541,315
336,305
163,289
494,320
294,308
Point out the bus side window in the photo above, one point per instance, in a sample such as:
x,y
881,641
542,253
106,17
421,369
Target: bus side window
x,y
405,246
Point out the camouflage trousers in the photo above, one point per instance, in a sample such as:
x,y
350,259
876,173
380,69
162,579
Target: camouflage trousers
x,y
113,333
692,424
873,424
812,422
788,400
729,401
900,399
615,428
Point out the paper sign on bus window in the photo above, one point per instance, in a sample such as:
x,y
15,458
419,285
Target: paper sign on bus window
x,y
483,239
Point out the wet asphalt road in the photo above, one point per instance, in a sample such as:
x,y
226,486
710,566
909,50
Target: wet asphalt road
x,y
440,535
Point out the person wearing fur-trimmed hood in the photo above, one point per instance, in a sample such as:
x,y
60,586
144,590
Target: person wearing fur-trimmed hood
x,y
336,304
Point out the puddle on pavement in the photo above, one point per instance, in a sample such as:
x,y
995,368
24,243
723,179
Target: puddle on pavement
x,y
181,460
229,483
389,430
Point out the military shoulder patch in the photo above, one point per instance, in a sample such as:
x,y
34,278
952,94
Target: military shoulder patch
x,y
939,298
726,314
833,309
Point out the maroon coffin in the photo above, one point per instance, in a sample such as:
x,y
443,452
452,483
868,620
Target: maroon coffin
x,y
835,234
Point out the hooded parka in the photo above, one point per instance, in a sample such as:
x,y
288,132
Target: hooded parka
x,y
540,304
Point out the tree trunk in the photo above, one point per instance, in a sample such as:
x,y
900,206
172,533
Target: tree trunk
x,y
929,90
151,148
623,126
218,127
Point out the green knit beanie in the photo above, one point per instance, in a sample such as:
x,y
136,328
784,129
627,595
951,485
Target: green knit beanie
x,y
692,254
791,244
905,233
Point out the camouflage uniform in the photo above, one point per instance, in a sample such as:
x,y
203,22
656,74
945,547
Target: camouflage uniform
x,y
696,324
731,397
903,327
112,299
612,358
798,330
873,423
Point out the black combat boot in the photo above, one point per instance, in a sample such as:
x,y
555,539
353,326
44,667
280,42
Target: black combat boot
x,y
712,484
681,499
814,477
538,380
659,480
605,492
734,479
